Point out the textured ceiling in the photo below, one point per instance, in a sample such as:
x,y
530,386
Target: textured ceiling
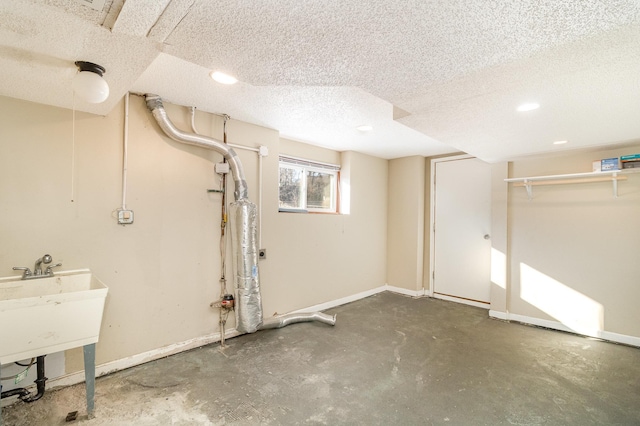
x,y
315,70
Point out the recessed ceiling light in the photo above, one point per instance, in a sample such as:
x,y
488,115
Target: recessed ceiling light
x,y
223,78
560,142
528,107
365,128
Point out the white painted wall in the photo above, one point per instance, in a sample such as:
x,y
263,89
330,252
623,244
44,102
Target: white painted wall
x,y
163,271
499,236
573,249
316,258
406,223
567,259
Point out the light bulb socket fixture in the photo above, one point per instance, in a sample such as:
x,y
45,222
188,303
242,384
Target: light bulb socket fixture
x,y
91,67
89,84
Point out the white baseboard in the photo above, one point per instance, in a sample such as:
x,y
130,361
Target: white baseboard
x,y
362,295
499,315
406,292
121,364
555,325
620,338
342,301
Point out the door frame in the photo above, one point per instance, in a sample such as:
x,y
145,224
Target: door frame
x,y
432,218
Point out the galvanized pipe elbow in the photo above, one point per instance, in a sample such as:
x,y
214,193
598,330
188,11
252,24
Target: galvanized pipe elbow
x,y
154,104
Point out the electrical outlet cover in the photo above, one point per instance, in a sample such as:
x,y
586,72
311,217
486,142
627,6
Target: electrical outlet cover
x,y
125,217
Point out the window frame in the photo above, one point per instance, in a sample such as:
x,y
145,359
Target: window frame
x,y
311,166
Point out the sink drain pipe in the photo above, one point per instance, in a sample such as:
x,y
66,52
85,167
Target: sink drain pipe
x,y
23,394
243,215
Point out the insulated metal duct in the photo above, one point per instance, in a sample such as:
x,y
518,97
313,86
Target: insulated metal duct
x,y
243,215
243,221
154,103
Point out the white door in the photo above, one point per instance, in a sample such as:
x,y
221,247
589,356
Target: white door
x,y
462,231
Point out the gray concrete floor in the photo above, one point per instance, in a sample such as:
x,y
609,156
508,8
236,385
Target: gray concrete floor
x,y
390,360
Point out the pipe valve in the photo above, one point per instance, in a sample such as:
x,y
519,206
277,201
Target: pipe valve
x,y
227,301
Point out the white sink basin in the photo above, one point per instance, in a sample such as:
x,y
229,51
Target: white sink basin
x,y
47,315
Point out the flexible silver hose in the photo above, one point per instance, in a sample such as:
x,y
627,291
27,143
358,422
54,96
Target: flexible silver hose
x,y
285,320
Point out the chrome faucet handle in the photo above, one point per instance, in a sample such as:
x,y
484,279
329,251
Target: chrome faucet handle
x,y
26,273
49,271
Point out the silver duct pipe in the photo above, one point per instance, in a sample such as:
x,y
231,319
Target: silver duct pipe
x,y
285,320
243,222
154,103
243,215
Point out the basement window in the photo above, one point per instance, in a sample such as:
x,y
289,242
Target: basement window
x,y
308,186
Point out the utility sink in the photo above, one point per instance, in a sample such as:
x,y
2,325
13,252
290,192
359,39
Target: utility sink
x,y
47,315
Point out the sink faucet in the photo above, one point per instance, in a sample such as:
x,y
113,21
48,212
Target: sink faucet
x,y
37,269
46,259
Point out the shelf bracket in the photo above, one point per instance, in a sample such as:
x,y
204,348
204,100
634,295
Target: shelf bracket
x,y
527,185
613,175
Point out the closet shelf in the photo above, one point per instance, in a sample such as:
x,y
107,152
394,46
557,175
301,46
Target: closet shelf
x,y
607,176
